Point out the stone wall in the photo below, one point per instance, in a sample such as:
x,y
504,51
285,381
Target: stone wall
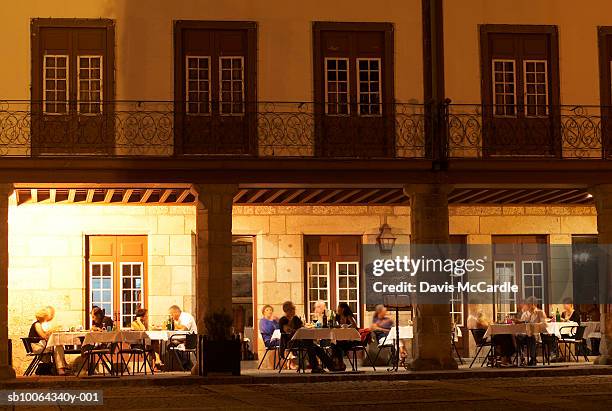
x,y
46,247
47,259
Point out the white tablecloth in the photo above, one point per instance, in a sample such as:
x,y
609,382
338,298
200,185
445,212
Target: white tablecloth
x,y
164,335
406,332
99,337
338,334
65,338
126,336
530,329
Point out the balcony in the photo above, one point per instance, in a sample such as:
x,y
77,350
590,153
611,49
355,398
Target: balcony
x,y
151,129
567,132
162,129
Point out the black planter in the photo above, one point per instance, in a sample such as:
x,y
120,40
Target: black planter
x,y
219,356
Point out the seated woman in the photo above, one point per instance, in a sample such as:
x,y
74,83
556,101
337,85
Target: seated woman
x,y
141,320
41,330
141,323
267,325
569,313
99,320
344,317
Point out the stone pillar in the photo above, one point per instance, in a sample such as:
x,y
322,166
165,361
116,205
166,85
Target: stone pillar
x,y
6,371
602,194
432,329
213,287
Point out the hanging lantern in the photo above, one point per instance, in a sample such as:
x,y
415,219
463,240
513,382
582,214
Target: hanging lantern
x,y
386,240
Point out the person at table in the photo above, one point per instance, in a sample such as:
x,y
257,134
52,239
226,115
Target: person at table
x,y
289,324
267,325
100,321
319,308
141,320
569,313
41,330
183,321
345,318
478,321
381,323
532,315
141,323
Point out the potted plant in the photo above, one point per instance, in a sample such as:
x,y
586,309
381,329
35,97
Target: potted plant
x,y
219,349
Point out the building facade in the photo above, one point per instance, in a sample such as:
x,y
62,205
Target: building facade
x,y
240,154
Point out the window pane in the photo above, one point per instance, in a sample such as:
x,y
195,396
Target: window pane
x,y
198,85
89,84
336,86
55,77
369,90
503,88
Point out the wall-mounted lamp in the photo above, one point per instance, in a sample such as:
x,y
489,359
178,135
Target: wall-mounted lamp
x,y
386,240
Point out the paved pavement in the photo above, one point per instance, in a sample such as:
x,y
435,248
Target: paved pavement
x,y
541,393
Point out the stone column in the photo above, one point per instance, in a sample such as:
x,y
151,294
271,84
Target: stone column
x,y
602,194
213,287
432,329
6,371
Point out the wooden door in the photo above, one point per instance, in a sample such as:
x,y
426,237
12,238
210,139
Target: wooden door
x,y
354,90
215,87
520,92
117,275
72,86
522,260
333,272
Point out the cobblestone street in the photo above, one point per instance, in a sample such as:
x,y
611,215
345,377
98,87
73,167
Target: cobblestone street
x,y
550,393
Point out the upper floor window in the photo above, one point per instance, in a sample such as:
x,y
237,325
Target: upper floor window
x,y
520,89
353,84
518,83
70,69
215,87
72,85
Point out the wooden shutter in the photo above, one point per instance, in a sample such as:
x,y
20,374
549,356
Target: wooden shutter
x,y
219,132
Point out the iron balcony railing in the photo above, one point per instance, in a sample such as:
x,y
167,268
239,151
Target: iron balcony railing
x,y
264,129
565,132
304,129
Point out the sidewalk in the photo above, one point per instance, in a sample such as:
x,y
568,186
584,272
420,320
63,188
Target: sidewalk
x,y
253,376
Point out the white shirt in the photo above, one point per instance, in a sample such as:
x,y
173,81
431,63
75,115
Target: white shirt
x,y
187,320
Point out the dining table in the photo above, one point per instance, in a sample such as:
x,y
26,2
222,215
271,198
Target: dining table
x,y
90,339
315,333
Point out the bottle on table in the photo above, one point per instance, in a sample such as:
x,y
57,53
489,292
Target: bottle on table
x,y
324,318
557,315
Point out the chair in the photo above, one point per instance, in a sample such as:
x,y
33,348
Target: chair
x,y
548,342
481,342
454,347
293,346
386,343
182,343
98,354
359,346
270,348
36,357
134,352
576,338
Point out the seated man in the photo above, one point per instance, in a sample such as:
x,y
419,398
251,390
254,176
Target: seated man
x,y
531,314
319,308
381,323
289,324
182,321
